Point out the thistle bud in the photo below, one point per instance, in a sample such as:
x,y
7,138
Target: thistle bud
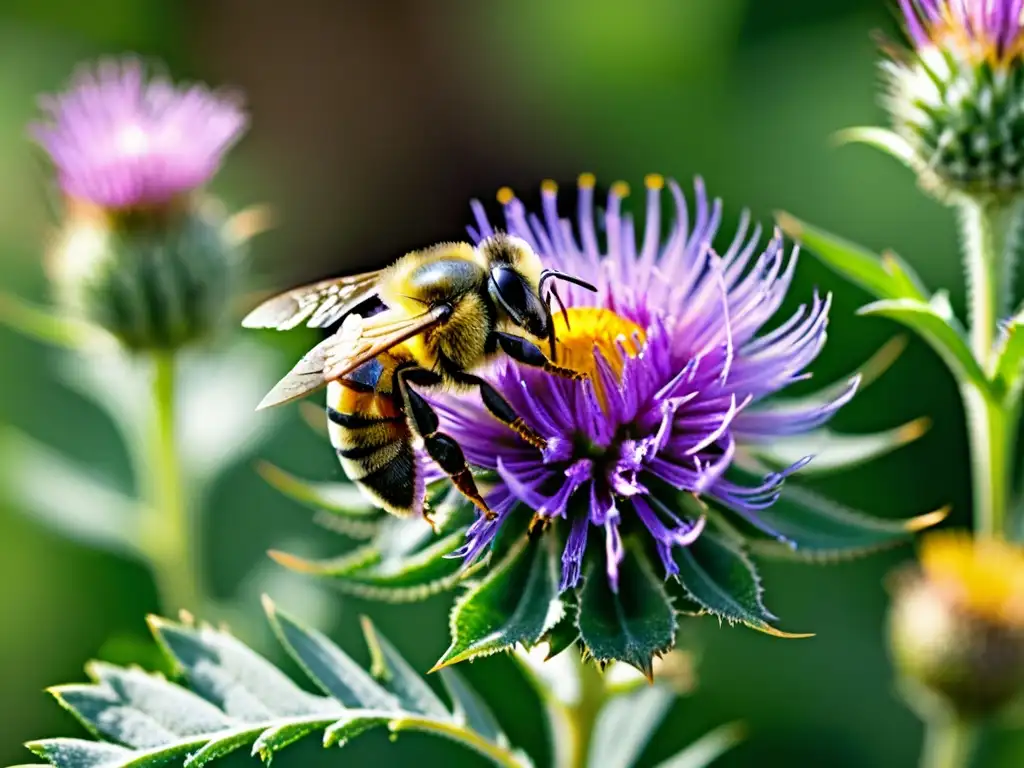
x,y
140,251
956,626
957,97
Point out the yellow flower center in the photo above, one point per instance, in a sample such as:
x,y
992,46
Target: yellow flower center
x,y
590,327
985,576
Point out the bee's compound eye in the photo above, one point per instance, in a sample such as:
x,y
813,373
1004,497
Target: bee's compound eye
x,y
512,291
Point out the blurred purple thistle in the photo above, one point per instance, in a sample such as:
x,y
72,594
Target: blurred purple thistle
x,y
677,377
995,24
119,140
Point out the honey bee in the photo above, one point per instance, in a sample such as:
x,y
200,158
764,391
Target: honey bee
x,y
446,311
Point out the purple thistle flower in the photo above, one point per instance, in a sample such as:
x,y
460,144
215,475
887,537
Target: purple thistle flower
x,y
995,25
119,140
678,376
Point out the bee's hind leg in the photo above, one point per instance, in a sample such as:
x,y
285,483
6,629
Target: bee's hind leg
x,y
503,411
442,448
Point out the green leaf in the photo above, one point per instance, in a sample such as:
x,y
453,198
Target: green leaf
x,y
1010,355
833,451
516,603
328,666
887,141
238,699
936,324
394,673
707,748
631,625
715,573
49,328
68,498
563,634
822,530
626,724
342,499
471,710
399,576
884,277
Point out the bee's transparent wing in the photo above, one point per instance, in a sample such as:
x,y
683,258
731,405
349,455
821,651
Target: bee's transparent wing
x,y
317,304
359,340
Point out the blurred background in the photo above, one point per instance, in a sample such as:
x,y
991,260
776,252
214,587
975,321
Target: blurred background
x,y
373,126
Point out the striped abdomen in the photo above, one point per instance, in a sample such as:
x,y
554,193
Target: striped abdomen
x,y
372,438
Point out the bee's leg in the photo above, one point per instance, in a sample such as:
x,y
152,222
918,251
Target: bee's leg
x,y
442,448
526,352
502,411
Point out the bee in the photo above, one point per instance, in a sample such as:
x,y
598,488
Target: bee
x,y
442,312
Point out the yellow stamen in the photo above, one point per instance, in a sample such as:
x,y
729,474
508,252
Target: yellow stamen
x,y
654,181
586,181
506,195
985,576
592,328
549,186
620,188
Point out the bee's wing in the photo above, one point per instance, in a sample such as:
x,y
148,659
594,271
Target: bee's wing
x,y
322,303
359,340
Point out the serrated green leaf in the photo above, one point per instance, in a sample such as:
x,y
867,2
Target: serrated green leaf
x,y
342,499
327,665
833,451
393,577
78,753
137,709
707,748
516,603
231,676
625,725
563,634
471,710
934,323
823,530
631,625
715,573
394,673
884,277
239,700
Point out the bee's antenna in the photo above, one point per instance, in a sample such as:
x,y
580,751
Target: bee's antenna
x,y
561,305
549,274
552,339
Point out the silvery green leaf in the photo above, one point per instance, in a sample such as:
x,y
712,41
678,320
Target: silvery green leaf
x,y
236,699
1010,355
626,724
70,499
707,748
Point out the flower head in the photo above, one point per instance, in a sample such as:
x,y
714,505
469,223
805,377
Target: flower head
x,y
957,622
120,140
957,98
679,370
989,29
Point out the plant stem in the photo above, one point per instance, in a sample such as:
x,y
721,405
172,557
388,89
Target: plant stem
x,y
988,234
496,753
949,742
170,541
573,724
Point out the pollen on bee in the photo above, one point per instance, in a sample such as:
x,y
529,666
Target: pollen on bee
x,y
506,195
654,181
586,181
620,189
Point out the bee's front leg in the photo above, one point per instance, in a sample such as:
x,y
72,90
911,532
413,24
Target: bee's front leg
x,y
442,448
526,352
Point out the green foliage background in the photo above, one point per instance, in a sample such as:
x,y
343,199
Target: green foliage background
x,y
374,126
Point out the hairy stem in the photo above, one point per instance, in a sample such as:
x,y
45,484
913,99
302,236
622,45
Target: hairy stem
x,y
572,725
988,237
949,743
170,541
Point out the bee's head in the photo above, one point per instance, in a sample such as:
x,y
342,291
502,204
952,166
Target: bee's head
x,y
517,282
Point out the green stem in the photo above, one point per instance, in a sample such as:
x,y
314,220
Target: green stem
x,y
988,232
949,743
170,542
572,726
496,753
